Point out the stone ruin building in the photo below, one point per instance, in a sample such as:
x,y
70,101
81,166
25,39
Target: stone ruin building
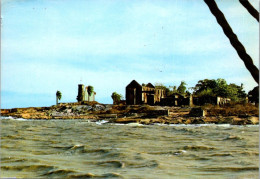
x,y
83,94
149,94
215,100
143,94
177,99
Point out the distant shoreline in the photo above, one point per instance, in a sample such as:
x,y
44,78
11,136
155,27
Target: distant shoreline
x,y
142,114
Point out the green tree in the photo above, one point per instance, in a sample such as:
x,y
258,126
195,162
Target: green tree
x,y
116,97
241,91
220,88
235,92
174,89
90,91
58,96
203,85
206,93
182,88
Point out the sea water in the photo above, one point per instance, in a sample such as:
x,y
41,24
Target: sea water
x,y
82,149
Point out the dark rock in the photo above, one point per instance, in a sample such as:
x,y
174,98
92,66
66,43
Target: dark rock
x,y
107,116
197,112
226,120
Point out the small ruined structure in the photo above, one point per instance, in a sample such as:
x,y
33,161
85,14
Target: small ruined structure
x,y
143,94
210,100
177,99
83,94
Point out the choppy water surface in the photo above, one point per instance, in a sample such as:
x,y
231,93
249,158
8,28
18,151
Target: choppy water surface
x,y
76,148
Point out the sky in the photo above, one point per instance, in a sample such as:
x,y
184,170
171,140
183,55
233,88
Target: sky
x,y
50,45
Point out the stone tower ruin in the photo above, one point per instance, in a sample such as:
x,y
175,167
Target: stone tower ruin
x,y
81,91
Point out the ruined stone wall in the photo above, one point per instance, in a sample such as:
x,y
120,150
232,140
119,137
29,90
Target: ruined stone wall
x,y
159,94
146,93
222,101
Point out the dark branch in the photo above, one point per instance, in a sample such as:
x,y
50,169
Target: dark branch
x,y
250,9
241,51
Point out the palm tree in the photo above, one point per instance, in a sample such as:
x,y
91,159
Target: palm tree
x,y
90,91
58,96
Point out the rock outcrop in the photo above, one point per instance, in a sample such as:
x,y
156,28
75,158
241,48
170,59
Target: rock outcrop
x,y
143,114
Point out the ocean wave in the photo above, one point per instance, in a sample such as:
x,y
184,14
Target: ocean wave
x,y
77,146
58,173
222,155
112,163
16,160
28,167
230,169
81,149
198,147
145,164
249,153
91,175
179,152
233,138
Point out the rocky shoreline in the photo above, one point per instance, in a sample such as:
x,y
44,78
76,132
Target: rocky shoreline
x,y
143,114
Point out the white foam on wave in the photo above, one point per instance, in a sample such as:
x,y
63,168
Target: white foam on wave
x,y
101,122
12,118
180,152
77,146
134,124
5,117
20,119
251,125
159,124
128,124
200,125
223,125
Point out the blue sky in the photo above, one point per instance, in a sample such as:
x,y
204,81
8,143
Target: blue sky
x,y
50,45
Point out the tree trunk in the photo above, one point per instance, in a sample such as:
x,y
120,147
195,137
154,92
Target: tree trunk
x,y
56,100
250,9
241,51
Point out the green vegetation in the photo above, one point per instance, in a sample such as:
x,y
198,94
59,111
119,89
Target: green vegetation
x,y
116,97
58,96
219,87
209,88
182,88
90,91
